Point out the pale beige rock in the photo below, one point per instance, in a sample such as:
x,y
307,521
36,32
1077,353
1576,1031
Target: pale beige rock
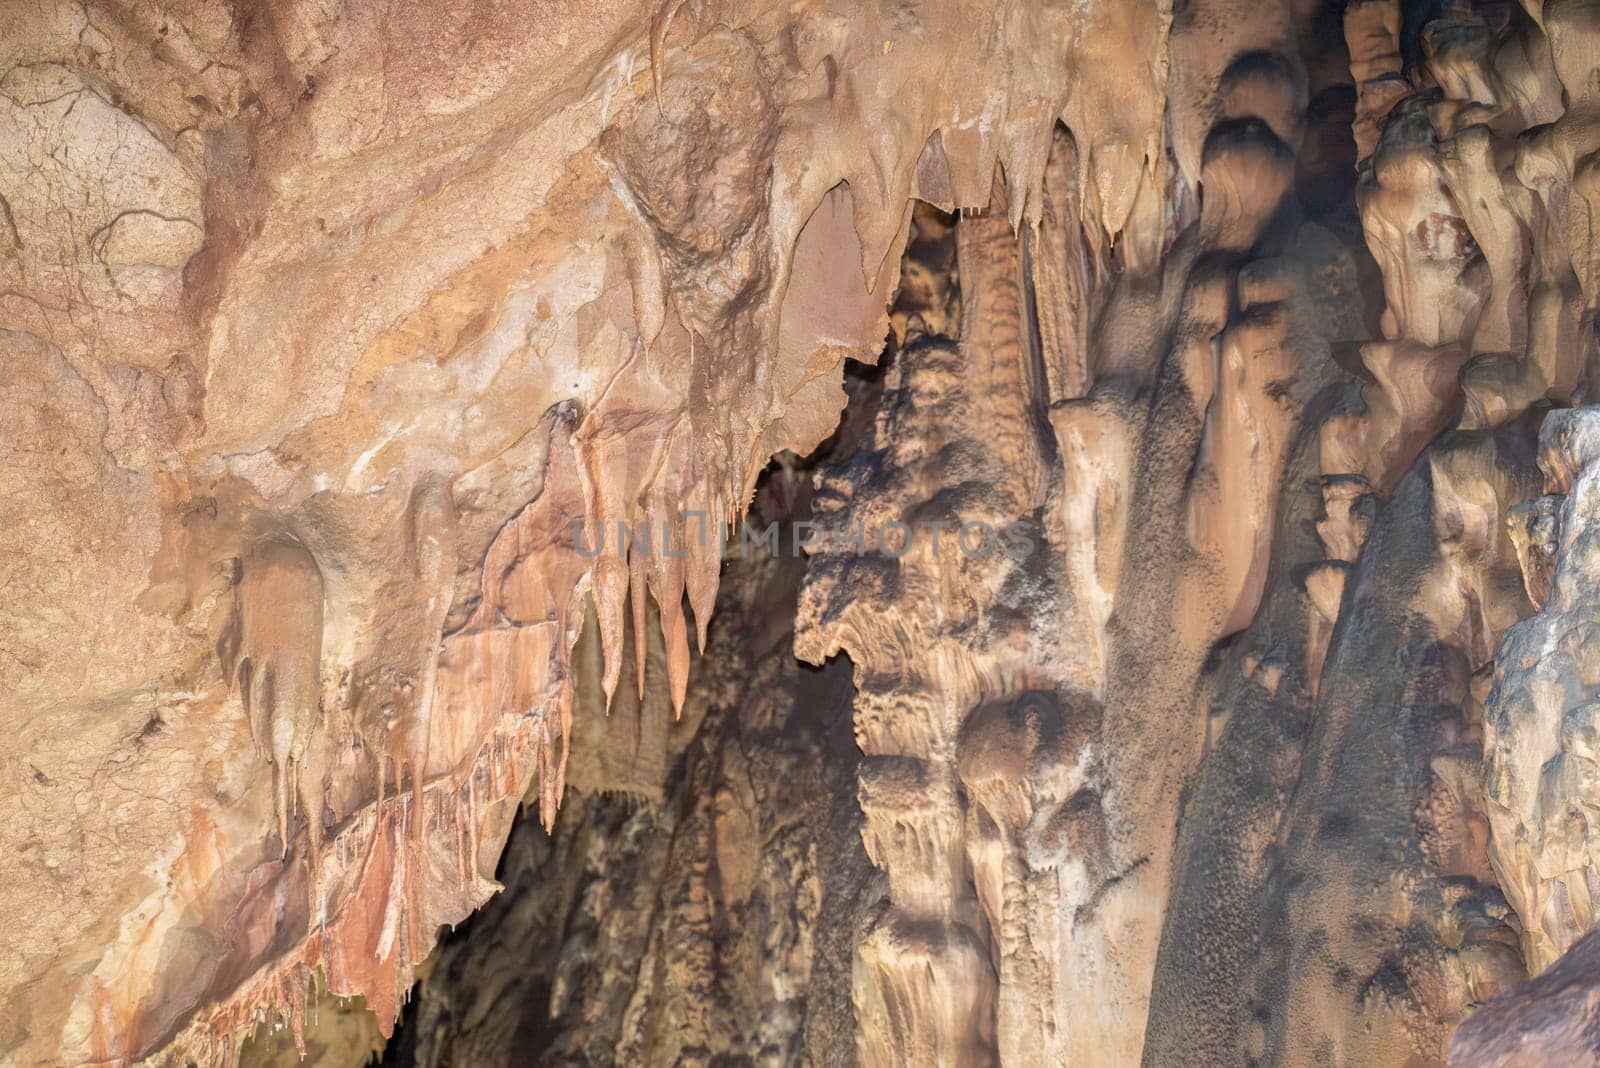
x,y
381,379
1536,730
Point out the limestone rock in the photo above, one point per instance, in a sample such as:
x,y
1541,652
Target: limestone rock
x,y
1173,411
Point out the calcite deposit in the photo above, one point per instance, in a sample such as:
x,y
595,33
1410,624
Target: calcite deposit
x,y
841,531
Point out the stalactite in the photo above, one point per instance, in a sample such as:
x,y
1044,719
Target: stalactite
x,y
383,382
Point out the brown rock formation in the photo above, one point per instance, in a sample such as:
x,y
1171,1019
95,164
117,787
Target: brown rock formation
x,y
391,391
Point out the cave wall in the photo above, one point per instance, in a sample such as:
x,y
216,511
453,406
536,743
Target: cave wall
x,y
345,339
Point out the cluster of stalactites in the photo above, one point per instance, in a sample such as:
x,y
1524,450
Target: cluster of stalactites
x,y
1465,219
1476,208
730,286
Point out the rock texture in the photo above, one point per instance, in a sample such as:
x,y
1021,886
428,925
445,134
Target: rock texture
x,y
391,391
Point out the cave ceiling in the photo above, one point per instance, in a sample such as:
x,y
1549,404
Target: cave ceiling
x,y
840,531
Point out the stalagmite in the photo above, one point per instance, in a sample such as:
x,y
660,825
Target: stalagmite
x,y
1022,533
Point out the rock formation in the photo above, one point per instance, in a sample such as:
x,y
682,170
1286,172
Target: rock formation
x,y
977,533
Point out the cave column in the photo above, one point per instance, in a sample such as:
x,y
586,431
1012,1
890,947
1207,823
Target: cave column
x,y
944,974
